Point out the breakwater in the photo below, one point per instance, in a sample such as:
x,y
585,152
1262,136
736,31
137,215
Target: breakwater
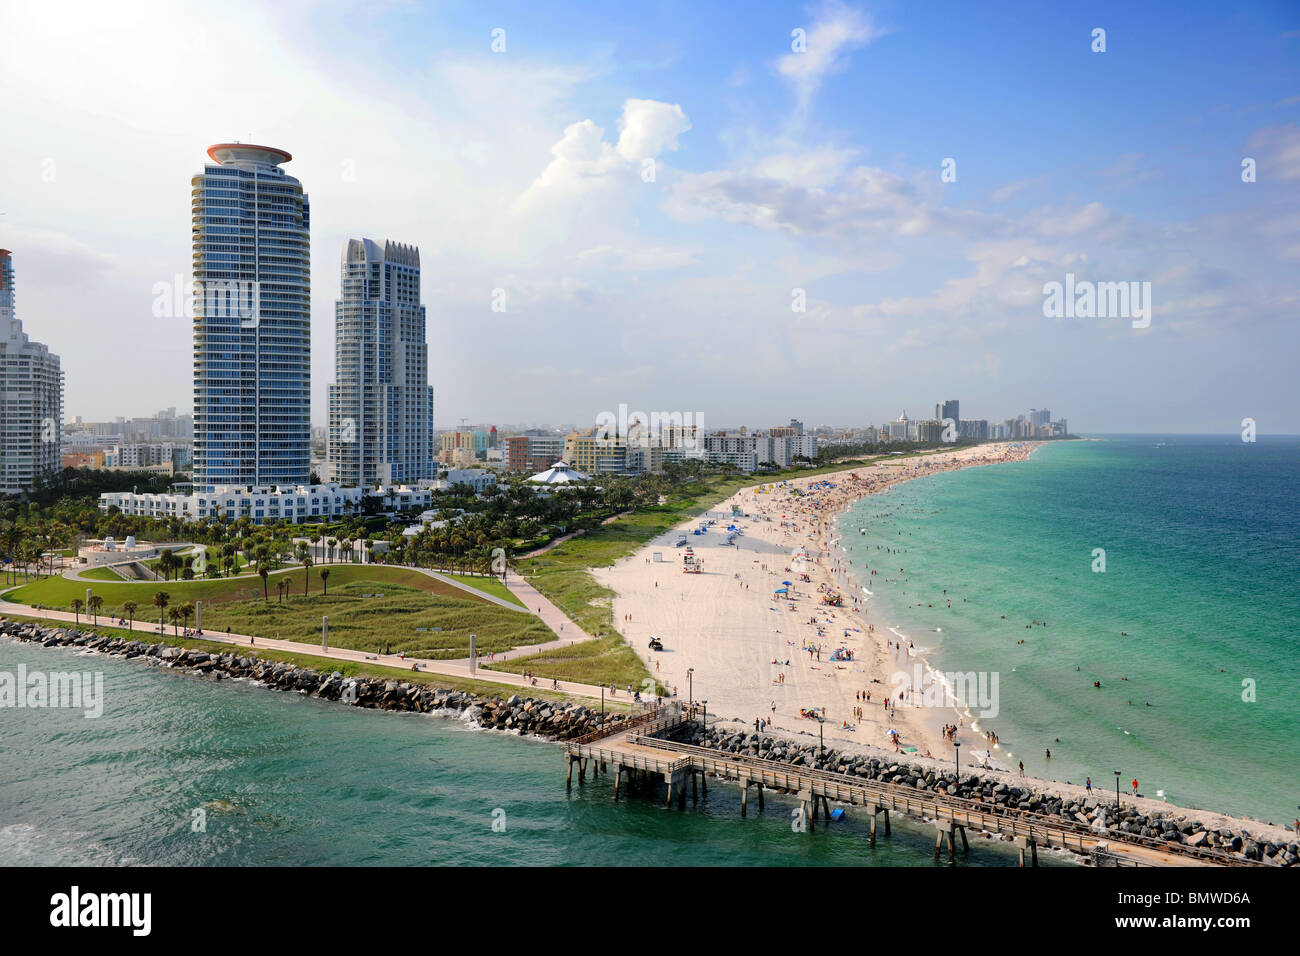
x,y
549,719
1235,843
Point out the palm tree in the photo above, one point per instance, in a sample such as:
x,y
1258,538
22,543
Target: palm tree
x,y
95,605
264,571
325,580
130,608
187,612
279,586
174,615
329,548
160,601
76,605
306,573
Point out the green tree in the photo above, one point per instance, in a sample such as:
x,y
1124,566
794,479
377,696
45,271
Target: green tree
x,y
130,607
325,580
77,605
160,600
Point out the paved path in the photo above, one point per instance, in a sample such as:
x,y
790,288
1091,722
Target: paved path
x,y
450,668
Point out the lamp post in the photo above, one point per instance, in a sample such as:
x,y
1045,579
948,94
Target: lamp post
x,y
821,737
956,759
1117,789
602,705
706,715
690,685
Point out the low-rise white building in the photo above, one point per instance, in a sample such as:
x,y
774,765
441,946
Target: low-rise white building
x,y
260,504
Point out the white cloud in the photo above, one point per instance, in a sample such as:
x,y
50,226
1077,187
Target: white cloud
x,y
583,160
836,30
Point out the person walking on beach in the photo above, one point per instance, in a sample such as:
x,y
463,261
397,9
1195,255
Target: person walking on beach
x,y
1087,785
1022,768
1135,786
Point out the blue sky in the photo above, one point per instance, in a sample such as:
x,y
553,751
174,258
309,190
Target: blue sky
x,y
774,171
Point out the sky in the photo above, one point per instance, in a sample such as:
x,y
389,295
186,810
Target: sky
x,y
652,190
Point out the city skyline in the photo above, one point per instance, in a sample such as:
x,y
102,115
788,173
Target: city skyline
x,y
659,200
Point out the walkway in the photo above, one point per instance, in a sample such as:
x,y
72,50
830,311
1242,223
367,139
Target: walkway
x,y
450,668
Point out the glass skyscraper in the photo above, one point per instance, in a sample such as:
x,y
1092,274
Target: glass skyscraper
x,y
252,321
381,404
31,398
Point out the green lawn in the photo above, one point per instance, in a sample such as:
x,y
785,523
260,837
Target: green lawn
x,y
487,585
411,600
327,665
102,574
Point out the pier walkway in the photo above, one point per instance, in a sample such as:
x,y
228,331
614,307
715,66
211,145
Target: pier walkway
x,y
638,752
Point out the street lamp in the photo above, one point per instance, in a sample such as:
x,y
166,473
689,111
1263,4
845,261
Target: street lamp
x,y
690,685
706,715
956,759
821,737
602,705
1117,789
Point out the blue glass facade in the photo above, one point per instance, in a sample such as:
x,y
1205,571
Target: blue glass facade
x,y
252,321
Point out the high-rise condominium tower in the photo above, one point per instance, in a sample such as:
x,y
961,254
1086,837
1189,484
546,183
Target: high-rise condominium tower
x,y
252,321
381,406
31,398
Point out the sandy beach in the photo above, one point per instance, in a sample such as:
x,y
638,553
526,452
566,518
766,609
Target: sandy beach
x,y
731,638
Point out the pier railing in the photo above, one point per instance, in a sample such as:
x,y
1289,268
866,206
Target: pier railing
x,y
843,788
655,720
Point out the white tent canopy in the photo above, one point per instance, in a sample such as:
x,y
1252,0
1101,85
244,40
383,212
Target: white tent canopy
x,y
558,474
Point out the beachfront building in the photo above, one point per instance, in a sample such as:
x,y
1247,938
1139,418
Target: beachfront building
x,y
252,320
900,428
31,398
258,504
735,449
250,236
381,403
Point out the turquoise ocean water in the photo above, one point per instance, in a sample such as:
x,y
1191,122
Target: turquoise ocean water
x,y
287,780
1202,547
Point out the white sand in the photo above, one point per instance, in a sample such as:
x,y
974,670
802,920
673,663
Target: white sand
x,y
726,625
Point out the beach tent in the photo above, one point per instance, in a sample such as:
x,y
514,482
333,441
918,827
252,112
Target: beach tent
x,y
782,591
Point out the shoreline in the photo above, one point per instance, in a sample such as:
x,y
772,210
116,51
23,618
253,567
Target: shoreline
x,y
553,722
711,638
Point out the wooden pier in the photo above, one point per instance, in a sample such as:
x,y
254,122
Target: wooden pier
x,y
638,753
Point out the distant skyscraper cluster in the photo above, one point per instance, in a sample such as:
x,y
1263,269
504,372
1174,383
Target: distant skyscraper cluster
x,y
31,398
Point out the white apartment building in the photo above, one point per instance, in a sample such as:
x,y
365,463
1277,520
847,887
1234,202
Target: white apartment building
x,y
294,504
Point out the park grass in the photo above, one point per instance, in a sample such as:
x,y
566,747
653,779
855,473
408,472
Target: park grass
x,y
101,574
329,665
57,591
486,584
604,660
400,601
